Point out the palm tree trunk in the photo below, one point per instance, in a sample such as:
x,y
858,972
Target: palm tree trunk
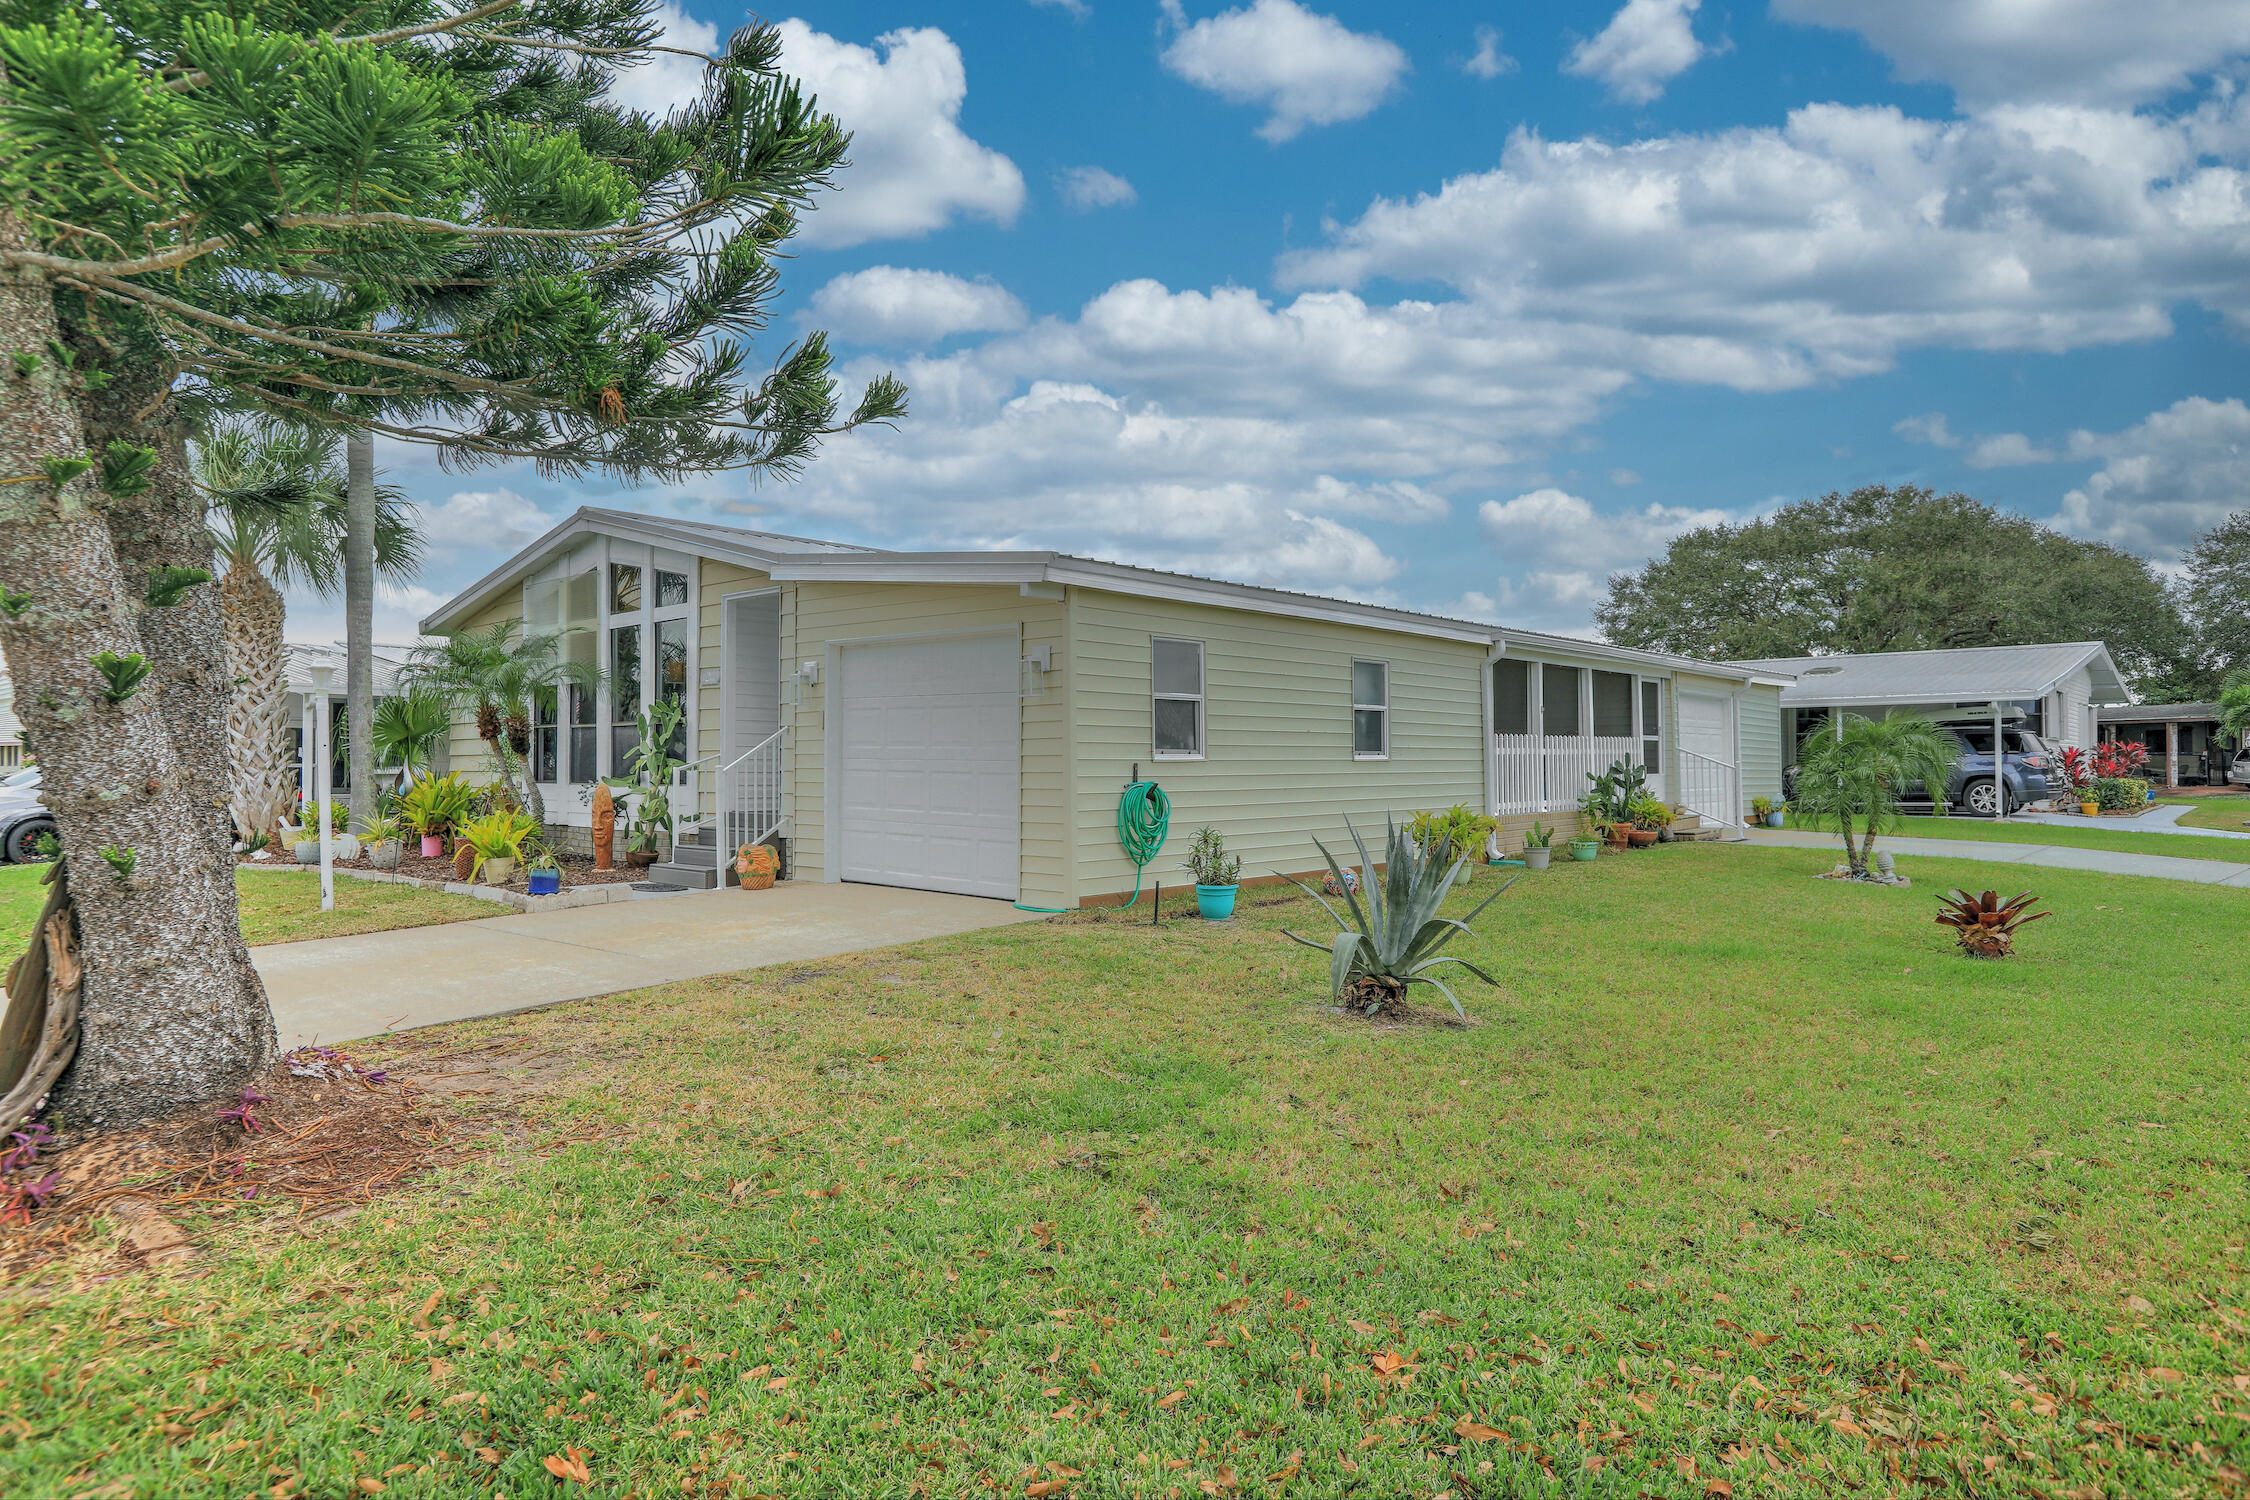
x,y
1852,858
171,1011
257,714
359,620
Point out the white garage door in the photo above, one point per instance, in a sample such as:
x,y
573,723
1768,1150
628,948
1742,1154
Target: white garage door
x,y
927,793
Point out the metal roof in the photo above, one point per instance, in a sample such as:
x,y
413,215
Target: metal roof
x,y
2160,713
305,655
1971,674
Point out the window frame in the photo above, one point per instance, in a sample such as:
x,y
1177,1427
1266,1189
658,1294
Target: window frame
x,y
1383,708
1200,698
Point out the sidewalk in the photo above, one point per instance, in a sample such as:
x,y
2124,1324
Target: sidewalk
x,y
2158,819
2053,856
335,989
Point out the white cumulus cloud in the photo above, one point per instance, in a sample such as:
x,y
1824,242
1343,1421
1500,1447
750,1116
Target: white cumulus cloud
x,y
1488,61
913,168
2163,480
2073,51
1646,45
1929,429
1086,188
1302,67
498,518
2004,450
895,304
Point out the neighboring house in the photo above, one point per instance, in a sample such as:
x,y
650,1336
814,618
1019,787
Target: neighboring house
x,y
305,697
11,727
2185,742
966,721
2055,688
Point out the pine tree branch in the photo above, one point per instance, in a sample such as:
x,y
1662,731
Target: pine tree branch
x,y
199,78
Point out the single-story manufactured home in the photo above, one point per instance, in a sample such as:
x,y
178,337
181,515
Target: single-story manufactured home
x,y
306,698
2052,690
2187,743
966,721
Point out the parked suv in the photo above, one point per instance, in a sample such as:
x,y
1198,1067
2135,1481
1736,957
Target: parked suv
x,y
23,817
2239,772
2024,770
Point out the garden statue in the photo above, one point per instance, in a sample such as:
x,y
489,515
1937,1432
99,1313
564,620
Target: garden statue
x,y
605,827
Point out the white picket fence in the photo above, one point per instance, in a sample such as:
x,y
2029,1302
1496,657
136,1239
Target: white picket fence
x,y
1537,773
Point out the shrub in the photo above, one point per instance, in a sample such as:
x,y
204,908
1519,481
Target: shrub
x,y
1460,828
2119,793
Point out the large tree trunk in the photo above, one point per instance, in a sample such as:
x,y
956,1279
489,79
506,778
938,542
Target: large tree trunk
x,y
264,787
359,620
171,1012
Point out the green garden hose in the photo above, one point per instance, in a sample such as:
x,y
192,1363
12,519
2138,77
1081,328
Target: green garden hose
x,y
1144,820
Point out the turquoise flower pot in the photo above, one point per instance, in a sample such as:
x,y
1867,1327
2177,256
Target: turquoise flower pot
x,y
1216,901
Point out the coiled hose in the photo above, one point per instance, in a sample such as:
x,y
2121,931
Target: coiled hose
x,y
1144,821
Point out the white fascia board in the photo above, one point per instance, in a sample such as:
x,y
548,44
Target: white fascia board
x,y
907,567
1117,579
1564,649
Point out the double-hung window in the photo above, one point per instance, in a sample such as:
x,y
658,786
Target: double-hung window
x,y
1371,710
1176,682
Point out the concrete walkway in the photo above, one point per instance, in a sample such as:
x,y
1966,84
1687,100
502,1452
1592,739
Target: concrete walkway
x,y
335,989
2158,819
2053,856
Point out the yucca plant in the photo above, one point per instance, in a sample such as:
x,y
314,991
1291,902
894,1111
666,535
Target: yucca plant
x,y
1984,925
1392,942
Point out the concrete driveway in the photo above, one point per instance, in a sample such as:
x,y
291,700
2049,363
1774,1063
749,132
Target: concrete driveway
x,y
337,989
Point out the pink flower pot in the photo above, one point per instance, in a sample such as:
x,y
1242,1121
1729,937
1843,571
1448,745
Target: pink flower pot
x,y
432,848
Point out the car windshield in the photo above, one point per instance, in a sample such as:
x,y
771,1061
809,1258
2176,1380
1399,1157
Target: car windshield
x,y
28,776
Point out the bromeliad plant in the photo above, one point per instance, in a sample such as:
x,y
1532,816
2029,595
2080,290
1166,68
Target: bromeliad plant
x,y
497,835
436,805
1392,942
1209,861
1984,925
1460,826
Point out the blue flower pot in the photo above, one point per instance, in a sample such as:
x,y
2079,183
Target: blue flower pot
x,y
545,882
1216,901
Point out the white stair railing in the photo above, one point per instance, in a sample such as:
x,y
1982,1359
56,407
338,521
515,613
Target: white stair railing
x,y
749,794
1706,787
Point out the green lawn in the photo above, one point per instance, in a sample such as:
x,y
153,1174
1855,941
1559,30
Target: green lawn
x,y
1742,1176
2230,813
277,908
2096,835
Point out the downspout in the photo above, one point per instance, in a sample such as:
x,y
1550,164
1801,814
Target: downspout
x,y
1490,756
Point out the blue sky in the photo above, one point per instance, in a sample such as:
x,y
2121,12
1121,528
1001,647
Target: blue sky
x,y
1464,306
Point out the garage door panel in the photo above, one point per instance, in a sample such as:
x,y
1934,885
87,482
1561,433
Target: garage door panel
x,y
929,766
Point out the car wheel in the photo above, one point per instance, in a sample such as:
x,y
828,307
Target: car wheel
x,y
1981,800
23,839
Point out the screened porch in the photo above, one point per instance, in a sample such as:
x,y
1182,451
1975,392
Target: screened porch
x,y
1554,725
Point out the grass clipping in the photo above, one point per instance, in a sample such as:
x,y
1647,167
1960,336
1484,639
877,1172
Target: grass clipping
x,y
318,1132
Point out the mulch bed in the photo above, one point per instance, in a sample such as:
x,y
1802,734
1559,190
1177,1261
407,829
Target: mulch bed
x,y
575,871
317,1131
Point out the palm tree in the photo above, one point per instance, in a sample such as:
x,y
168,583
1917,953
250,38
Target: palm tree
x,y
495,673
277,521
1853,771
408,730
2234,705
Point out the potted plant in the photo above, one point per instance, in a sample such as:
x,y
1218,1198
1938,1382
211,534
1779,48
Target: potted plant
x,y
651,768
1538,846
383,847
756,867
1457,833
434,807
1648,818
1215,873
497,841
1761,809
546,873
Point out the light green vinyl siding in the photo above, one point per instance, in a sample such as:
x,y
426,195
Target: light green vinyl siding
x,y
468,754
1761,743
814,615
1278,769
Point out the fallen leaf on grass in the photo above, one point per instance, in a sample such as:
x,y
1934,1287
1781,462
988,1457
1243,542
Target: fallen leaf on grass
x,y
421,1318
369,1486
571,1467
1475,1432
489,1455
2167,1375
1172,1400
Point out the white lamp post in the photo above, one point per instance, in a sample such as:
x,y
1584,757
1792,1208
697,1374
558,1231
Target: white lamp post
x,y
323,678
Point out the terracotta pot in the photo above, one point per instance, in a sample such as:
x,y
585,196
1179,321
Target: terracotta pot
x,y
640,859
755,867
1641,838
1620,836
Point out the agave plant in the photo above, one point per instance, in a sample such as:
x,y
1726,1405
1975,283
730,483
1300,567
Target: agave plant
x,y
1984,925
1392,942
